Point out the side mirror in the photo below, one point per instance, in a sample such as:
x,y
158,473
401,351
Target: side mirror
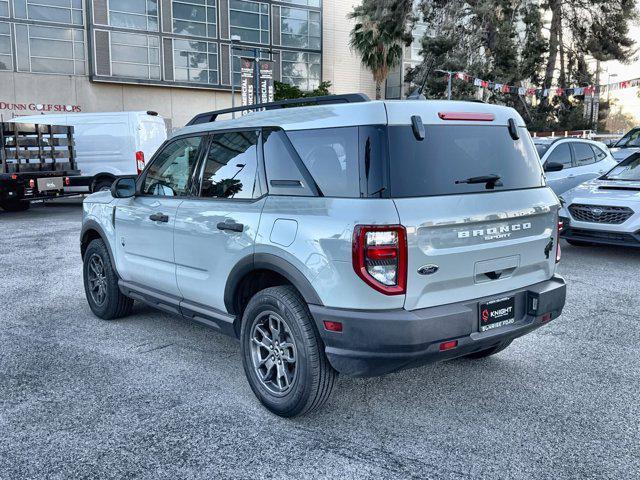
x,y
124,187
553,167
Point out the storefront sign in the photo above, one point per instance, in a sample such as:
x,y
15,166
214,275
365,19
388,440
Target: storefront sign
x,y
246,81
267,89
40,107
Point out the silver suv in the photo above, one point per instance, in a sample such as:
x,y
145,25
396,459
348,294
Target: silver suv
x,y
354,236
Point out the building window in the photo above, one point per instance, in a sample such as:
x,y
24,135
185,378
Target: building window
x,y
134,14
135,56
4,8
50,49
59,11
249,20
300,28
306,3
238,53
195,61
5,46
302,69
195,17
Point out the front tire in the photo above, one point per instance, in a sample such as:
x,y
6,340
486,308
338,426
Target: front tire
x,y
101,284
283,355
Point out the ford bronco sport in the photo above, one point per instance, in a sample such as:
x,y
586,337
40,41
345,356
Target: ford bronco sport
x,y
356,237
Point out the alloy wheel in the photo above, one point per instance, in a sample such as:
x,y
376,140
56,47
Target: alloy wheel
x,y
96,276
273,352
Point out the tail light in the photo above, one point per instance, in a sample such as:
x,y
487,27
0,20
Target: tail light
x,y
32,183
67,181
558,250
139,162
380,257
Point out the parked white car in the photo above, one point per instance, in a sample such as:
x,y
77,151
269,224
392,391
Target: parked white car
x,y
108,144
627,145
568,162
605,210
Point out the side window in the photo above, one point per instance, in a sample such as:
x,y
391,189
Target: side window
x,y
231,166
561,154
283,175
600,155
170,173
583,154
331,155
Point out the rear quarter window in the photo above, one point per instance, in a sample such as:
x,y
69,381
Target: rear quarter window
x,y
331,156
458,152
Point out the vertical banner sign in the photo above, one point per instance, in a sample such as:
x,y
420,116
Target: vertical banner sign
x,y
267,89
246,82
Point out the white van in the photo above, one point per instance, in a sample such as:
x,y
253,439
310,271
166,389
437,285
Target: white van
x,y
108,144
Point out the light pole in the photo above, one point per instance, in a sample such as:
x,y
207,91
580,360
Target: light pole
x,y
450,78
234,40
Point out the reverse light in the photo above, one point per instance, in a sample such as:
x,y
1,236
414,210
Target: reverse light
x,y
139,161
467,116
380,257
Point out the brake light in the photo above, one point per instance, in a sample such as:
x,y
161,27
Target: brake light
x,y
139,162
466,116
558,249
32,183
380,257
67,181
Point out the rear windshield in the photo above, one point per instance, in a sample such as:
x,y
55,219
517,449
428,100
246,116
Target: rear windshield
x,y
451,154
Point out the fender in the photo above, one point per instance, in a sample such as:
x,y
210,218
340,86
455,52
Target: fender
x,y
267,261
93,225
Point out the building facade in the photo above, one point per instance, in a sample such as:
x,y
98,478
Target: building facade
x,y
172,56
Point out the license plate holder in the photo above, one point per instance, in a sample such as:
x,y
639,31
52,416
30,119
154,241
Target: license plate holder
x,y
51,183
496,313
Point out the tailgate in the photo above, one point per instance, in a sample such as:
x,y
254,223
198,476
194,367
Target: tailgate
x,y
463,247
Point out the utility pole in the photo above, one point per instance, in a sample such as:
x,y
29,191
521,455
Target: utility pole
x,y
449,81
595,105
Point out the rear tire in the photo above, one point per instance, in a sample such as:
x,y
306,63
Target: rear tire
x,y
101,284
15,206
102,185
283,355
489,351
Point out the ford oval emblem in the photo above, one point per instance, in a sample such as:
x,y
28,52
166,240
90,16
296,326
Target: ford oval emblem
x,y
428,269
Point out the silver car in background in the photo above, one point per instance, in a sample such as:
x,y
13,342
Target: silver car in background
x,y
606,210
568,162
627,145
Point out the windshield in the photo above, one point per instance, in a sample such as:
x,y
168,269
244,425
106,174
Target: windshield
x,y
542,148
631,139
457,159
628,170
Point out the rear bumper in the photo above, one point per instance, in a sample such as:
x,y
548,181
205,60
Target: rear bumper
x,y
378,342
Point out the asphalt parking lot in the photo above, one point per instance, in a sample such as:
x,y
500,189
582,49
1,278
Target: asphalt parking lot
x,y
153,396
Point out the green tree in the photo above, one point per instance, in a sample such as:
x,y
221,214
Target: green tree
x,y
380,30
285,91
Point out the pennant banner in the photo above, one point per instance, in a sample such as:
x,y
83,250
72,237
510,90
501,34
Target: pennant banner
x,y
590,90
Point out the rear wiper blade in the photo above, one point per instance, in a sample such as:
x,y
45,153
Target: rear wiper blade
x,y
491,181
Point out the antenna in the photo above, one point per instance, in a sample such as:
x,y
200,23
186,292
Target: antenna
x,y
417,93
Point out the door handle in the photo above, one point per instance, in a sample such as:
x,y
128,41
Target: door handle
x,y
159,217
232,226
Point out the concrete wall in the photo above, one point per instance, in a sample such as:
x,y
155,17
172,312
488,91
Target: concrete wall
x,y
39,92
340,65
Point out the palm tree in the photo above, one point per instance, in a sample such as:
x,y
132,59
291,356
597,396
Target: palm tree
x,y
378,43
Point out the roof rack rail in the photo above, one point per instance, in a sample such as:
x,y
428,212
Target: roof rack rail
x,y
207,117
